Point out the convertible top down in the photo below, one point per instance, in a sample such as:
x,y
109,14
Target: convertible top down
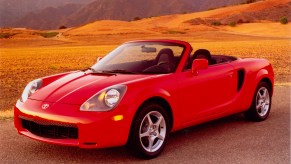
x,y
139,93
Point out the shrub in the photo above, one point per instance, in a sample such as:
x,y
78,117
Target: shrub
x,y
6,35
174,32
283,20
212,8
232,24
216,23
250,1
48,34
136,18
62,27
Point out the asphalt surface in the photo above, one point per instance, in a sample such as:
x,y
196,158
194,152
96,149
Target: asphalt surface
x,y
227,140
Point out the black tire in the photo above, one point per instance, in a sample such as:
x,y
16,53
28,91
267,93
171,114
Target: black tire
x,y
261,105
141,125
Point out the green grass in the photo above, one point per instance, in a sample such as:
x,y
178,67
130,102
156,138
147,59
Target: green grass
x,y
48,34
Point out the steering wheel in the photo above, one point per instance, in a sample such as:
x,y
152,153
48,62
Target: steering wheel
x,y
170,65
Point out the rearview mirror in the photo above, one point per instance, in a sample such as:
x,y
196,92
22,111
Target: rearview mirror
x,y
199,64
148,49
98,59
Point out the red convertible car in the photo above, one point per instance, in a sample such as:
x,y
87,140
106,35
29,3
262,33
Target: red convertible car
x,y
139,93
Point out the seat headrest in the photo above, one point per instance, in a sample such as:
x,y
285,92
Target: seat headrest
x,y
203,52
165,53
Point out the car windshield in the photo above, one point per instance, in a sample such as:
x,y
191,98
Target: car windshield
x,y
141,58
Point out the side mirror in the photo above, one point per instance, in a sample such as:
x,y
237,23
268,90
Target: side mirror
x,y
199,64
98,59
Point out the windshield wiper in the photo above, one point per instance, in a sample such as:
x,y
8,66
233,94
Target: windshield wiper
x,y
91,69
122,71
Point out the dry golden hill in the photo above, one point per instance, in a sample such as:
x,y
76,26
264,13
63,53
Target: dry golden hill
x,y
187,23
262,29
18,33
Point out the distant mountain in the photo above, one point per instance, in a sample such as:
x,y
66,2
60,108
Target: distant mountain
x,y
48,18
12,10
55,13
130,9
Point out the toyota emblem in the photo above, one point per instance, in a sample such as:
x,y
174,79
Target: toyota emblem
x,y
45,106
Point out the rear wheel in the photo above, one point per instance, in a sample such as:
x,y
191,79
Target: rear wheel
x,y
149,131
261,104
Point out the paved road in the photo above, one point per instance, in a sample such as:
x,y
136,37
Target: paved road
x,y
228,140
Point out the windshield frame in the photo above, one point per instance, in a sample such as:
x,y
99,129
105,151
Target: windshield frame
x,y
144,42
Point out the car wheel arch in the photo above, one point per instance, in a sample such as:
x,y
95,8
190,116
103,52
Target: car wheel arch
x,y
264,76
269,83
158,100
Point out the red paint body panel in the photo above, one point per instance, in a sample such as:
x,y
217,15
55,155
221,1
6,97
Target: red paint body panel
x,y
211,94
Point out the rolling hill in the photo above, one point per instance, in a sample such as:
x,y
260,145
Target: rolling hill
x,y
260,18
42,14
265,12
13,10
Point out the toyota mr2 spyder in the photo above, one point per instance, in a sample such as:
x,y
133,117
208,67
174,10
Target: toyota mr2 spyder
x,y
139,93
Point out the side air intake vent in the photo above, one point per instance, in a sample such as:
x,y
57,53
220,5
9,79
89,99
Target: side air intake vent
x,y
241,78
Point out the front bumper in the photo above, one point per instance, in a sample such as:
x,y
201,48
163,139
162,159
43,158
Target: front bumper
x,y
90,129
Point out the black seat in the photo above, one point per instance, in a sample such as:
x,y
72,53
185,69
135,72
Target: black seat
x,y
164,62
165,55
203,54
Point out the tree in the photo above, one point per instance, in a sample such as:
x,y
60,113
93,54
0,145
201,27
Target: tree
x,y
136,18
283,20
62,27
250,1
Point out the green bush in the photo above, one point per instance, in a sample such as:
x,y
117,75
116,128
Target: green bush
x,y
173,32
136,18
283,20
48,34
212,8
250,1
62,27
216,23
6,35
232,24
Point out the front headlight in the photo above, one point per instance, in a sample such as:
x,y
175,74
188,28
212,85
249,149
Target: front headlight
x,y
30,89
104,100
111,97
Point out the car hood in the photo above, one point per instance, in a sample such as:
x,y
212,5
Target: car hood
x,y
76,88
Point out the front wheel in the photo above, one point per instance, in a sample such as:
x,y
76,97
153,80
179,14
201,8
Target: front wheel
x,y
149,131
261,104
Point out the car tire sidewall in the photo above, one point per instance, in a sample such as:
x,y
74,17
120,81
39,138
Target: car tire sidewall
x,y
135,145
252,113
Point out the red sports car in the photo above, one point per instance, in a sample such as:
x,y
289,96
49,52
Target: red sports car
x,y
139,93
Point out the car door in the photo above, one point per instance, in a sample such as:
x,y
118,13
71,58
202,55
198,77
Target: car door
x,y
208,93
